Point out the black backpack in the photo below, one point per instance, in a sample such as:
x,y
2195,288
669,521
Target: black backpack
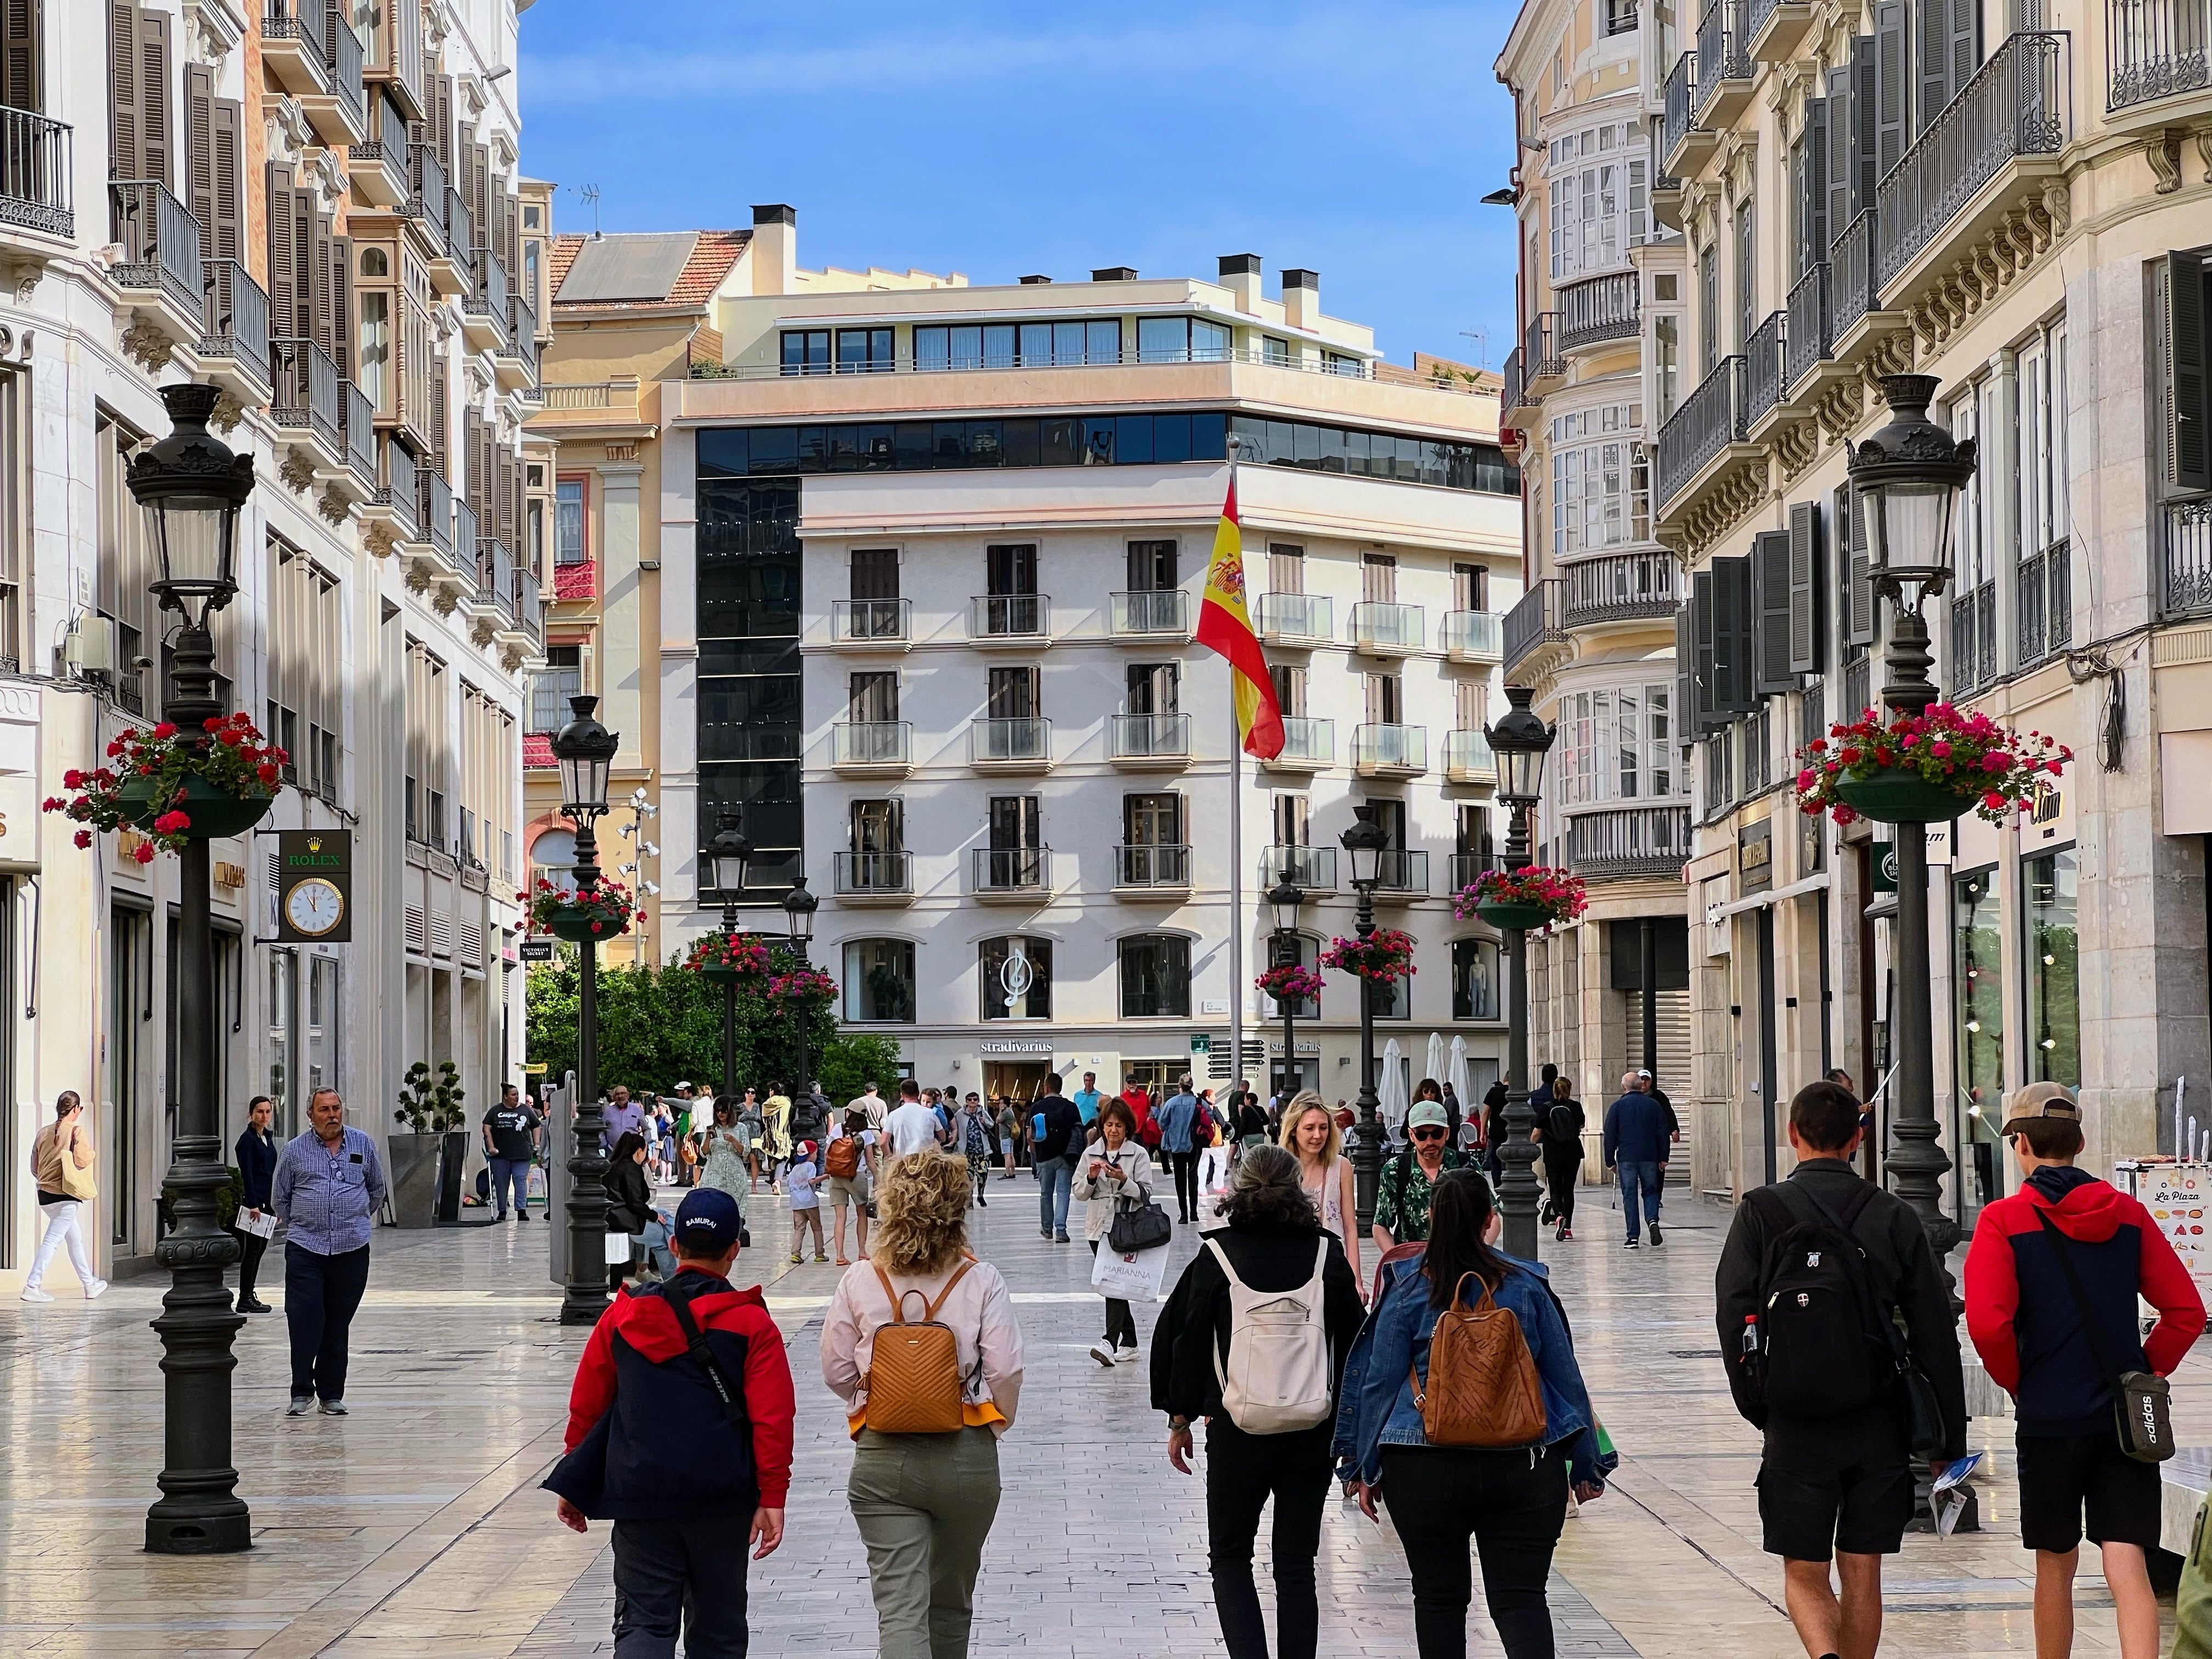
x,y
1561,1127
1815,1347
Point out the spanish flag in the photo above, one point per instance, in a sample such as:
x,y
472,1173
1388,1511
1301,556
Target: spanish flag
x,y
1226,629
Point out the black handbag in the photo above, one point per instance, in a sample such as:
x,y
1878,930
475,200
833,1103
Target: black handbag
x,y
1138,1225
2142,1401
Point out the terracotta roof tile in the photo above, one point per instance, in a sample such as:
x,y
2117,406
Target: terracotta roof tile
x,y
702,273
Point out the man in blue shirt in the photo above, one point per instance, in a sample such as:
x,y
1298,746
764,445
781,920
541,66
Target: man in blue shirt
x,y
1178,1126
1087,1098
1637,1139
329,1186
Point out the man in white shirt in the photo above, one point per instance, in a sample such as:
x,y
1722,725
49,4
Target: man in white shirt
x,y
911,1126
870,1103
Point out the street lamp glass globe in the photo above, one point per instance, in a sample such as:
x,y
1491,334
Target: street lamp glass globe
x,y
191,486
798,907
1906,483
1286,897
729,853
584,750
1520,742
1363,843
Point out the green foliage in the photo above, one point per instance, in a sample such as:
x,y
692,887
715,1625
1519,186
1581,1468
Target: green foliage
x,y
852,1062
661,1025
432,1105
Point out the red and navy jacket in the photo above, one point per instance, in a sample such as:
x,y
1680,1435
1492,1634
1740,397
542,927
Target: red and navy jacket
x,y
2026,1321
670,1449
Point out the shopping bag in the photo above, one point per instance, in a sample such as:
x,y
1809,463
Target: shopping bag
x,y
1131,1277
618,1250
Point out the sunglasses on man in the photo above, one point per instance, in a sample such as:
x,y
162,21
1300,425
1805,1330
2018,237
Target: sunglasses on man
x,y
1428,1132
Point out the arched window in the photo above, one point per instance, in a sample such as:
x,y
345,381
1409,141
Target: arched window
x,y
880,981
1475,966
553,856
1017,977
374,262
1155,976
1391,1002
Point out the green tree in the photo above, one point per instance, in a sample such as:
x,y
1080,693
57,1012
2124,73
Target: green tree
x,y
853,1061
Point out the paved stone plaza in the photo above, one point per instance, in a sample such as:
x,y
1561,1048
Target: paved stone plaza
x,y
415,1525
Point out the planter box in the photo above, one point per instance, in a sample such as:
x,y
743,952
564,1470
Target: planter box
x,y
413,1161
214,812
1899,796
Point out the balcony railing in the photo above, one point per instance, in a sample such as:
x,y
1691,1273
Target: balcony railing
x,y
1723,48
1539,347
1463,869
306,388
1858,688
1851,274
1681,102
859,874
1008,616
1378,746
2046,603
401,489
1313,868
1008,740
1010,869
1533,619
872,743
426,180
1755,17
1308,742
359,430
1467,758
160,242
435,514
530,605
2014,106
237,317
855,622
1619,587
1973,639
1379,627
1515,391
343,53
1142,866
1163,612
1709,421
2188,557
34,173
487,299
1397,871
1607,308
2154,48
1149,737
1629,840
1763,373
494,573
1805,337
460,233
1288,618
1472,635
522,332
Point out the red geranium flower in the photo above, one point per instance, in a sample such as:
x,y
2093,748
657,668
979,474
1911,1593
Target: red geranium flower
x,y
164,729
143,852
83,838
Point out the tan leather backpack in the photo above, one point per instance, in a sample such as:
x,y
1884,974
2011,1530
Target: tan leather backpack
x,y
914,1369
1482,1389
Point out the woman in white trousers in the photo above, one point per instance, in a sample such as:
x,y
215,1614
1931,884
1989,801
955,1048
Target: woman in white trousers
x,y
62,1196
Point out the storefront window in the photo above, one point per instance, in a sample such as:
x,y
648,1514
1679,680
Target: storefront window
x,y
878,980
1017,978
1978,1102
1474,979
2054,990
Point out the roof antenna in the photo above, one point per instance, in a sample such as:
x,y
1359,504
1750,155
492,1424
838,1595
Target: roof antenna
x,y
591,193
1480,335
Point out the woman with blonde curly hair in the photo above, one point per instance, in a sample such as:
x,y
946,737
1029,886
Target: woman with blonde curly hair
x,y
925,1503
1310,1131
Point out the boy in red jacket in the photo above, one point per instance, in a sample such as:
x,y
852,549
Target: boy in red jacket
x,y
692,1455
2027,1323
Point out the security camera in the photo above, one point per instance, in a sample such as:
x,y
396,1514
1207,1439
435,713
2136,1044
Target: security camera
x,y
142,663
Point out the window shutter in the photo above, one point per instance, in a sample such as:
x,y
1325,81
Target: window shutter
x,y
316,282
2188,375
155,132
442,122
19,34
506,495
284,291
1840,152
1889,90
1770,570
1862,145
1736,666
1856,583
1807,613
227,132
1705,605
1965,43
342,305
486,232
1814,181
200,151
1685,678
1932,59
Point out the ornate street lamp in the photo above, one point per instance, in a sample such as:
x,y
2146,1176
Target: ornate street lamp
x,y
1905,482
1285,896
1519,741
728,854
1363,845
191,488
584,750
798,909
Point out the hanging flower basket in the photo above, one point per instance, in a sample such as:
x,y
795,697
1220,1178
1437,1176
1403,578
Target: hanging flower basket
x,y
1383,957
1290,982
606,914
803,986
724,960
1534,896
176,788
1925,768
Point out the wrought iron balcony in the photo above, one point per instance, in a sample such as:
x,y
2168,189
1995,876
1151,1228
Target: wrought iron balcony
x,y
1679,102
426,200
874,875
358,423
1382,630
1723,51
1600,309
2045,603
1476,636
484,306
1297,618
529,607
434,514
160,242
2155,49
521,344
1383,749
1151,868
2014,106
2188,555
1619,587
1513,394
1806,341
307,396
1008,618
494,573
1467,758
1015,870
872,745
1149,739
1709,421
870,621
1151,613
1852,265
237,319
35,159
1533,621
1016,742
461,236
1313,869
1629,840
1539,348
402,487
1309,746
1973,639
1763,371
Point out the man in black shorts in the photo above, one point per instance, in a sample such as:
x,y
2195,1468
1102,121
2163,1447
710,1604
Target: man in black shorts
x,y
1837,1485
2027,1318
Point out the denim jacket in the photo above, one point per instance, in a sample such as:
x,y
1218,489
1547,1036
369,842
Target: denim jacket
x,y
1377,1406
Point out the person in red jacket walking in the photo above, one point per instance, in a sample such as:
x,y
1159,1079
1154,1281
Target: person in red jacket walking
x,y
2027,1323
679,1433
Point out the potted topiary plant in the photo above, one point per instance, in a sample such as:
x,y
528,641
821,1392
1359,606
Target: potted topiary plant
x,y
427,1162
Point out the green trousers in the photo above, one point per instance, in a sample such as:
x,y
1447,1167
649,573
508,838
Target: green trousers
x,y
925,1504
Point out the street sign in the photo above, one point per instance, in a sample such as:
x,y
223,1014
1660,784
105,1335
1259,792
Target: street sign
x,y
537,950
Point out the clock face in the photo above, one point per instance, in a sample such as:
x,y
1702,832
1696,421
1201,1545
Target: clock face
x,y
314,906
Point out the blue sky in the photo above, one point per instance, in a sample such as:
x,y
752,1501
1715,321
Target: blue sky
x,y
1001,139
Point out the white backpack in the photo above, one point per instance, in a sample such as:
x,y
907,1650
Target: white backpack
x,y
1277,1379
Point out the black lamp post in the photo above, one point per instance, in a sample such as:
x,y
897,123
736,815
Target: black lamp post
x,y
191,488
1905,482
1363,845
1519,741
798,909
728,854
584,750
1286,896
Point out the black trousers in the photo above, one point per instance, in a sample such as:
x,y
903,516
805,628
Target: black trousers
x,y
1120,1323
1561,1175
1513,1506
250,1248
686,1573
1186,1184
320,1295
1242,1471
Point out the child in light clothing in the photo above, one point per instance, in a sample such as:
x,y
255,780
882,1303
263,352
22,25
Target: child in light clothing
x,y
805,1206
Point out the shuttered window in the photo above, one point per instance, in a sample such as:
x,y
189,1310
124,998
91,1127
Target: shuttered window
x,y
1890,82
20,36
1770,570
1703,621
1812,173
1685,660
1808,591
1835,181
1736,631
1378,579
140,124
2187,382
1865,160
1949,51
1856,614
1747,272
1289,690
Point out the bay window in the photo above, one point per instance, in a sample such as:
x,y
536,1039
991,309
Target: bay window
x,y
1615,744
1601,495
1600,203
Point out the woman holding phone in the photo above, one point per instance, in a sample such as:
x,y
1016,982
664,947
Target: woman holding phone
x,y
1111,1170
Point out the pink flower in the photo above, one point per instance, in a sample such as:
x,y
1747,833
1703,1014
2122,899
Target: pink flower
x,y
172,824
1995,802
1940,749
83,838
1805,779
143,852
1997,761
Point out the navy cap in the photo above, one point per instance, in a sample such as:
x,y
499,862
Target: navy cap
x,y
707,1222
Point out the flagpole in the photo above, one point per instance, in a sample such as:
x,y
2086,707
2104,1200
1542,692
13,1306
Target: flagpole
x,y
1236,857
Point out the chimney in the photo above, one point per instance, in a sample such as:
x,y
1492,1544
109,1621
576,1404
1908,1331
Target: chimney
x,y
1240,275
776,249
1302,299
1115,274
1032,282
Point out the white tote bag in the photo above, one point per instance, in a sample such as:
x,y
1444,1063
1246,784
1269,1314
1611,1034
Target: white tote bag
x,y
1133,1278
